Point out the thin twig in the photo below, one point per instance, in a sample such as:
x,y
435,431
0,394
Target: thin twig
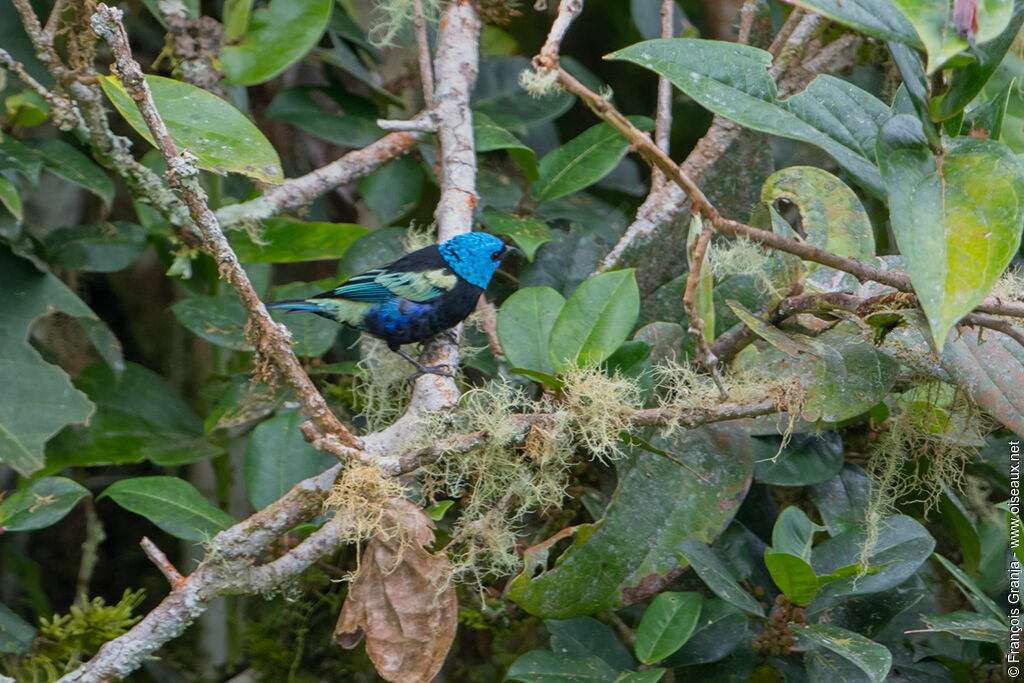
x,y
158,558
697,326
425,124
273,341
8,63
568,10
663,115
50,30
423,51
488,314
298,192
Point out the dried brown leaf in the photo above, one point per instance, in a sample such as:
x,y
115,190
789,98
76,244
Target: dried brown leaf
x,y
402,600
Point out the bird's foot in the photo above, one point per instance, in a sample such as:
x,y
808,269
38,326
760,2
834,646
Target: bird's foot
x,y
422,369
449,335
429,370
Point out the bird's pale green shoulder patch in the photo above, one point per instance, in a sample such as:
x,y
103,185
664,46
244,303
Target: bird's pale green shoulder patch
x,y
421,285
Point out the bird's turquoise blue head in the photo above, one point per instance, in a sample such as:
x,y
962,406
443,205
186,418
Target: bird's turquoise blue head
x,y
474,256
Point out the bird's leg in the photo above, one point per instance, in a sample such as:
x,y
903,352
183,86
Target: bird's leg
x,y
450,335
422,369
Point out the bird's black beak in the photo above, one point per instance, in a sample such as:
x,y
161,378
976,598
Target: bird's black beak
x,y
506,250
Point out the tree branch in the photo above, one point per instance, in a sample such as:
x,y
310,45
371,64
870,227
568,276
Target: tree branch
x,y
456,66
273,341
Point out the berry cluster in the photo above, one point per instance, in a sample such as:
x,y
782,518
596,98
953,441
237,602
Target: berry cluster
x,y
777,638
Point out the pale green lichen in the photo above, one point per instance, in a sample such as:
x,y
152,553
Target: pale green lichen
x,y
539,83
392,17
933,431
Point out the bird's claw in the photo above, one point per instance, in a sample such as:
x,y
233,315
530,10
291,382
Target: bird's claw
x,y
429,370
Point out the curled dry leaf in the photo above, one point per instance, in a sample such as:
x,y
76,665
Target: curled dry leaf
x,y
402,600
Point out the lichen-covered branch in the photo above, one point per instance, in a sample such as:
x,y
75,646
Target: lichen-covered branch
x,y
456,66
656,158
230,567
273,341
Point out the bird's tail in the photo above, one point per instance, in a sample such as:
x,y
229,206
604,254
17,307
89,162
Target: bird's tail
x,y
295,305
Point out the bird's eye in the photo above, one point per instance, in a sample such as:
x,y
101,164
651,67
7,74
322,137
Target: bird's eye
x,y
496,256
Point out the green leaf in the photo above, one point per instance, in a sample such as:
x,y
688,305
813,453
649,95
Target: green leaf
x,y
346,59
529,233
286,240
437,510
666,625
989,367
879,18
277,458
718,576
219,320
498,95
488,136
649,676
26,108
236,19
172,504
794,532
902,546
544,378
933,22
524,325
10,199
39,398
703,300
220,137
138,416
732,80
97,248
968,626
633,548
21,158
42,503
721,629
843,499
914,88
312,335
595,320
807,459
832,217
242,401
790,344
956,519
66,162
588,637
582,161
958,227
793,575
371,250
16,634
278,36
873,659
966,82
354,125
541,666
977,597
393,191
988,116
664,338
844,375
